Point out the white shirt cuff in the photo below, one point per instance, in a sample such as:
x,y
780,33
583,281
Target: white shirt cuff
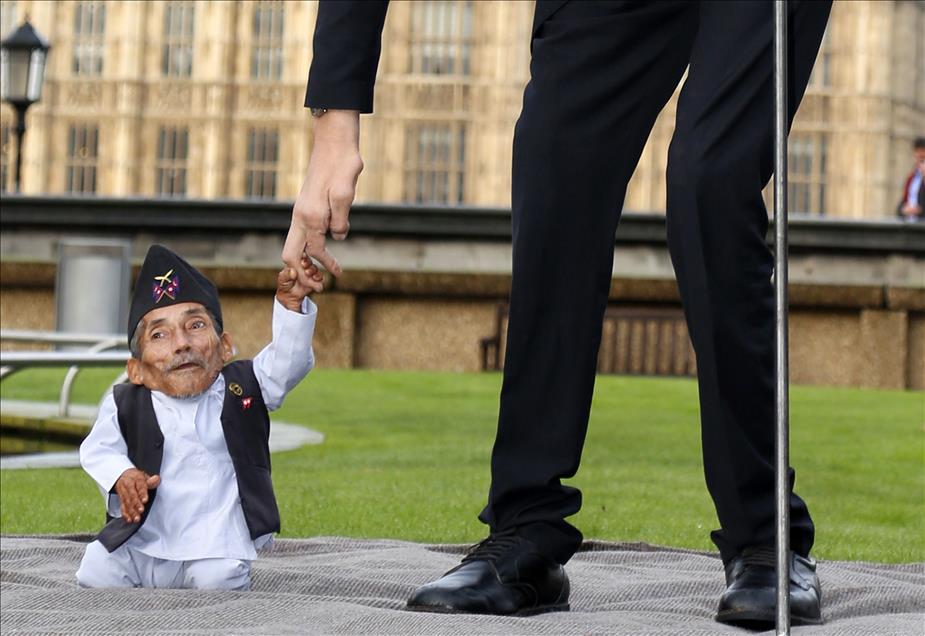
x,y
279,310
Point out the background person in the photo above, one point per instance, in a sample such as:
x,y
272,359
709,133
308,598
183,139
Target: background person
x,y
912,204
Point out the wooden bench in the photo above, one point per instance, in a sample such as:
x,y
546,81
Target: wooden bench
x,y
634,341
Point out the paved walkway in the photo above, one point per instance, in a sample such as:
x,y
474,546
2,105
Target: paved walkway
x,y
283,436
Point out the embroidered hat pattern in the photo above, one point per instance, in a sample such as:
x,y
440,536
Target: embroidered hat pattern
x,y
159,285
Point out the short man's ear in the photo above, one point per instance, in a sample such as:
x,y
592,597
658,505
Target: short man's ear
x,y
133,368
227,347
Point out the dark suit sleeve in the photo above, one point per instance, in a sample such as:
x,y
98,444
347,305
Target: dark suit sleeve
x,y
346,46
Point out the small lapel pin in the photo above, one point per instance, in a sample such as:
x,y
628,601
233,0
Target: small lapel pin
x,y
246,402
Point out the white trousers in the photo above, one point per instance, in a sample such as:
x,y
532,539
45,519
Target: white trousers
x,y
127,567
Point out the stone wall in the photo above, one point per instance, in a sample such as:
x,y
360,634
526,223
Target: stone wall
x,y
862,335
422,286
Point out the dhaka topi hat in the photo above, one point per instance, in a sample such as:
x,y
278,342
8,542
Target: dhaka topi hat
x,y
166,279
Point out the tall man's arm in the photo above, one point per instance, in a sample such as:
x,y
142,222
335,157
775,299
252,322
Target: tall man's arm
x,y
346,49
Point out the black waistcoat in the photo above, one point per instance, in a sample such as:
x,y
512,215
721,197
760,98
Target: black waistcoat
x,y
246,425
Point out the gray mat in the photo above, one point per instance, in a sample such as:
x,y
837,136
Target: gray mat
x,y
348,586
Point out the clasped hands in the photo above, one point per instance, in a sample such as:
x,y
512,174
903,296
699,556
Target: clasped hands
x,y
290,288
323,203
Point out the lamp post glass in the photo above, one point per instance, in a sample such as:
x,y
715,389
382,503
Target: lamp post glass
x,y
22,73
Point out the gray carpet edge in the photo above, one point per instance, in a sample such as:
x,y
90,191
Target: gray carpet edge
x,y
338,585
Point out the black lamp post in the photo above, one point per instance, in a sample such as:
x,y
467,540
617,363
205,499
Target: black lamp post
x,y
22,73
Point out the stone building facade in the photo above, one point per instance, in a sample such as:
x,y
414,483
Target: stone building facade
x,y
204,99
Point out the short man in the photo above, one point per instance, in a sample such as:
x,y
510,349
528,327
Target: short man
x,y
181,452
912,204
599,75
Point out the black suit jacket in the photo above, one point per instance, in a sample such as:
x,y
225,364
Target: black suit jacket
x,y
346,48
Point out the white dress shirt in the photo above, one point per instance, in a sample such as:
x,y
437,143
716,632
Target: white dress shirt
x,y
914,184
197,512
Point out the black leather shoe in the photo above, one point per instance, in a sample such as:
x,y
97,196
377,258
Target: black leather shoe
x,y
750,599
504,574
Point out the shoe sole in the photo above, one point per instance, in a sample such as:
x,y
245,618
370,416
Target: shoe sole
x,y
761,619
533,611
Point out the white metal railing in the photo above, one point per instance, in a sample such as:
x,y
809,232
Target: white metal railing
x,y
97,354
57,337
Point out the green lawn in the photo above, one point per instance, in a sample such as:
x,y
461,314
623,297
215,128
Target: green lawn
x,y
406,456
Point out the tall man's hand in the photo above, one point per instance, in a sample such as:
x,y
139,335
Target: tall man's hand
x,y
329,188
132,488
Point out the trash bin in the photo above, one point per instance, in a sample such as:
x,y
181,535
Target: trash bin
x,y
92,286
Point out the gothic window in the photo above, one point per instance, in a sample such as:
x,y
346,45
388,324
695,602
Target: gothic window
x,y
267,45
172,155
82,152
262,160
89,34
441,37
806,174
435,157
177,50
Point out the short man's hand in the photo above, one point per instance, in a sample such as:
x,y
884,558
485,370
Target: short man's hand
x,y
912,210
290,291
132,488
329,188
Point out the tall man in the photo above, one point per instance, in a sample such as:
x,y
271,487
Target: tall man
x,y
599,75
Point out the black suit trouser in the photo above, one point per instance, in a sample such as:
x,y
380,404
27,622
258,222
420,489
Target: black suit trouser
x,y
600,74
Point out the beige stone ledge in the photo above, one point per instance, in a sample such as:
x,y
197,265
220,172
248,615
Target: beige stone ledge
x,y
490,285
909,298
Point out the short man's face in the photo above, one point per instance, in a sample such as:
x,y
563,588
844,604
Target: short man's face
x,y
181,354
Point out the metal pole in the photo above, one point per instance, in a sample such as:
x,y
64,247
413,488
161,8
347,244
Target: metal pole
x,y
20,133
782,446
